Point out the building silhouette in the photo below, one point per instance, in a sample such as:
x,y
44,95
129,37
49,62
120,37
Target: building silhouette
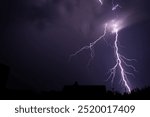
x,y
81,91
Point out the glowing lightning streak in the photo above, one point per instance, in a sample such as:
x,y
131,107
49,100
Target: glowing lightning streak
x,y
90,46
115,7
101,2
120,60
119,63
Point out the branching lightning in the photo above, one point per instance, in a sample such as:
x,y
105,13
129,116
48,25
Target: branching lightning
x,y
121,61
90,46
119,64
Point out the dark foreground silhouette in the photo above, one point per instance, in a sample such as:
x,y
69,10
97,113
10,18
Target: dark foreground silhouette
x,y
70,92
77,93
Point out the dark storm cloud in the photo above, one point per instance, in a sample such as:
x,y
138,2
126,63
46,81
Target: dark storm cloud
x,y
74,13
25,9
82,15
33,9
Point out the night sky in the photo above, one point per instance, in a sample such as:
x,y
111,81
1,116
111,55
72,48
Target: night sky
x,y
38,36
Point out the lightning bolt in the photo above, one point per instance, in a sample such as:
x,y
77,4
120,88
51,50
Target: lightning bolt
x,y
121,61
115,7
90,46
101,2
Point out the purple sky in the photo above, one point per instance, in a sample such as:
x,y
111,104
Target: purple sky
x,y
37,37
